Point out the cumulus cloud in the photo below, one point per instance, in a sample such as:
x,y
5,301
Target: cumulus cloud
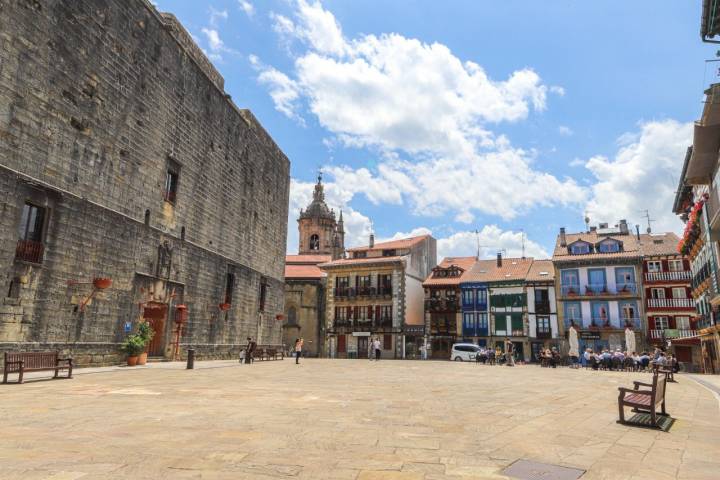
x,y
427,113
216,15
247,7
643,174
492,240
213,38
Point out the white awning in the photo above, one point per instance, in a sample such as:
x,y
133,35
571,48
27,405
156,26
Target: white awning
x,y
704,158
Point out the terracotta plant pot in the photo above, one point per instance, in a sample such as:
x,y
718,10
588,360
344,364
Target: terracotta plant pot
x,y
102,283
132,361
142,358
224,307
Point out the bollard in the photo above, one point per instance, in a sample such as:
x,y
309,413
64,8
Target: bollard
x,y
190,358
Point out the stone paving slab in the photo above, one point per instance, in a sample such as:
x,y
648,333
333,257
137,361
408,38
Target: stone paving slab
x,y
345,419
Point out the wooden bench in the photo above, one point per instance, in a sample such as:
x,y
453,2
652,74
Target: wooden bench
x,y
35,362
268,352
644,400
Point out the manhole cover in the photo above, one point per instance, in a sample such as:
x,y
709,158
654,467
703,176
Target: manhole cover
x,y
529,470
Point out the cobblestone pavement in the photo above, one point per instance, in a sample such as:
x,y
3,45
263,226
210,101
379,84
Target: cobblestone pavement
x,y
345,419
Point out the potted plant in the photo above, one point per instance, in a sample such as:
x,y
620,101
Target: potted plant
x,y
102,283
146,334
133,347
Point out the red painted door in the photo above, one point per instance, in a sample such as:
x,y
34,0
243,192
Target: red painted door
x,y
156,315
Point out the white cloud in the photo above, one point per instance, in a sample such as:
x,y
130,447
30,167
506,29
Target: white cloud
x,y
492,240
565,131
213,39
216,15
247,7
425,111
644,174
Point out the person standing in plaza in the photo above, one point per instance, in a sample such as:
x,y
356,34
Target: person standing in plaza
x,y
250,350
298,349
509,347
377,347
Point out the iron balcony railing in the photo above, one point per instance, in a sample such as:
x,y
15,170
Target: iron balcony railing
x,y
599,290
669,333
29,251
668,276
671,303
543,334
449,304
344,292
542,307
362,324
604,322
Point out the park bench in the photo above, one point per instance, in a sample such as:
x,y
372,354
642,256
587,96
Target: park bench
x,y
644,400
268,352
35,362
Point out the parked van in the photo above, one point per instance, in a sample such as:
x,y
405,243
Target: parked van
x,y
464,352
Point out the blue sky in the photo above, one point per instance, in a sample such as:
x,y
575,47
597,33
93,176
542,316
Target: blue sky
x,y
451,117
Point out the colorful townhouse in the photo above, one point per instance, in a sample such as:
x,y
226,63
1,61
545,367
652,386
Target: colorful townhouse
x,y
543,328
597,274
669,307
503,280
444,322
377,292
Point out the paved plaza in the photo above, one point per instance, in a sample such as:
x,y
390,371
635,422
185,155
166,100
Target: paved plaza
x,y
345,419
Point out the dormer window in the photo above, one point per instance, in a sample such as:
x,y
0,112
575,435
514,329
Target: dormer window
x,y
609,246
388,253
579,248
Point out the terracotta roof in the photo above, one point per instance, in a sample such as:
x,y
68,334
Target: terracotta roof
x,y
488,271
307,259
402,243
659,244
360,261
631,248
465,263
303,271
541,271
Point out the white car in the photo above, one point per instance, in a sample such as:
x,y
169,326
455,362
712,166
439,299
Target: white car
x,y
464,352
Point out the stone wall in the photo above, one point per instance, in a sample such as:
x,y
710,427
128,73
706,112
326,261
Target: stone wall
x,y
97,100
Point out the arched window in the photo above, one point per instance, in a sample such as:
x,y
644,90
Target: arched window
x,y
314,242
292,316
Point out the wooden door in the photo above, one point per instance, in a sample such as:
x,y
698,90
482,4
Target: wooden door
x,y
156,315
362,347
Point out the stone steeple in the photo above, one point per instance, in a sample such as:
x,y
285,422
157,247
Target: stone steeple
x,y
320,232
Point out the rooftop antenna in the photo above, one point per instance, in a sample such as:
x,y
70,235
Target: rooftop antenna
x,y
522,238
649,220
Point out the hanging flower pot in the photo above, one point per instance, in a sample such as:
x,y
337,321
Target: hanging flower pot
x,y
224,307
102,283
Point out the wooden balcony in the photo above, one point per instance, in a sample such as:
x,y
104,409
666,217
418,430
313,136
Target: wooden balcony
x,y
449,304
29,251
362,292
680,276
661,303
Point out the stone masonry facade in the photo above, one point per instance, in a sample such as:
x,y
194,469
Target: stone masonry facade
x,y
100,101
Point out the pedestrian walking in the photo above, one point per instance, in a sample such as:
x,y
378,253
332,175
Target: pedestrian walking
x,y
298,349
250,350
509,358
377,347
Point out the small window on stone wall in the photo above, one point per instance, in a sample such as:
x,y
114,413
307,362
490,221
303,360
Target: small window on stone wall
x,y
292,316
263,294
14,288
172,178
229,287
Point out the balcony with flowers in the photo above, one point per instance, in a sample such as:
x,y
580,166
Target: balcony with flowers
x,y
691,241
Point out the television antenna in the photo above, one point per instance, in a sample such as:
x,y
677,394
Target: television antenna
x,y
649,220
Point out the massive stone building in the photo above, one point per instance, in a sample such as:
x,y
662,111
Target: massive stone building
x,y
322,239
122,157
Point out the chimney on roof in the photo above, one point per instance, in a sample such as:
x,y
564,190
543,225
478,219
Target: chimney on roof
x,y
602,225
563,240
499,259
624,230
593,229
372,240
637,229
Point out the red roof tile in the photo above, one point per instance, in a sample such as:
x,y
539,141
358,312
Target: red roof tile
x,y
304,272
465,263
360,261
389,245
541,271
488,271
307,259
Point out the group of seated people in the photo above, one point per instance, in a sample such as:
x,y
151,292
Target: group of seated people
x,y
491,356
619,360
550,357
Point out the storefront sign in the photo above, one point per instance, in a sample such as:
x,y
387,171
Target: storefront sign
x,y
414,329
361,334
590,335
